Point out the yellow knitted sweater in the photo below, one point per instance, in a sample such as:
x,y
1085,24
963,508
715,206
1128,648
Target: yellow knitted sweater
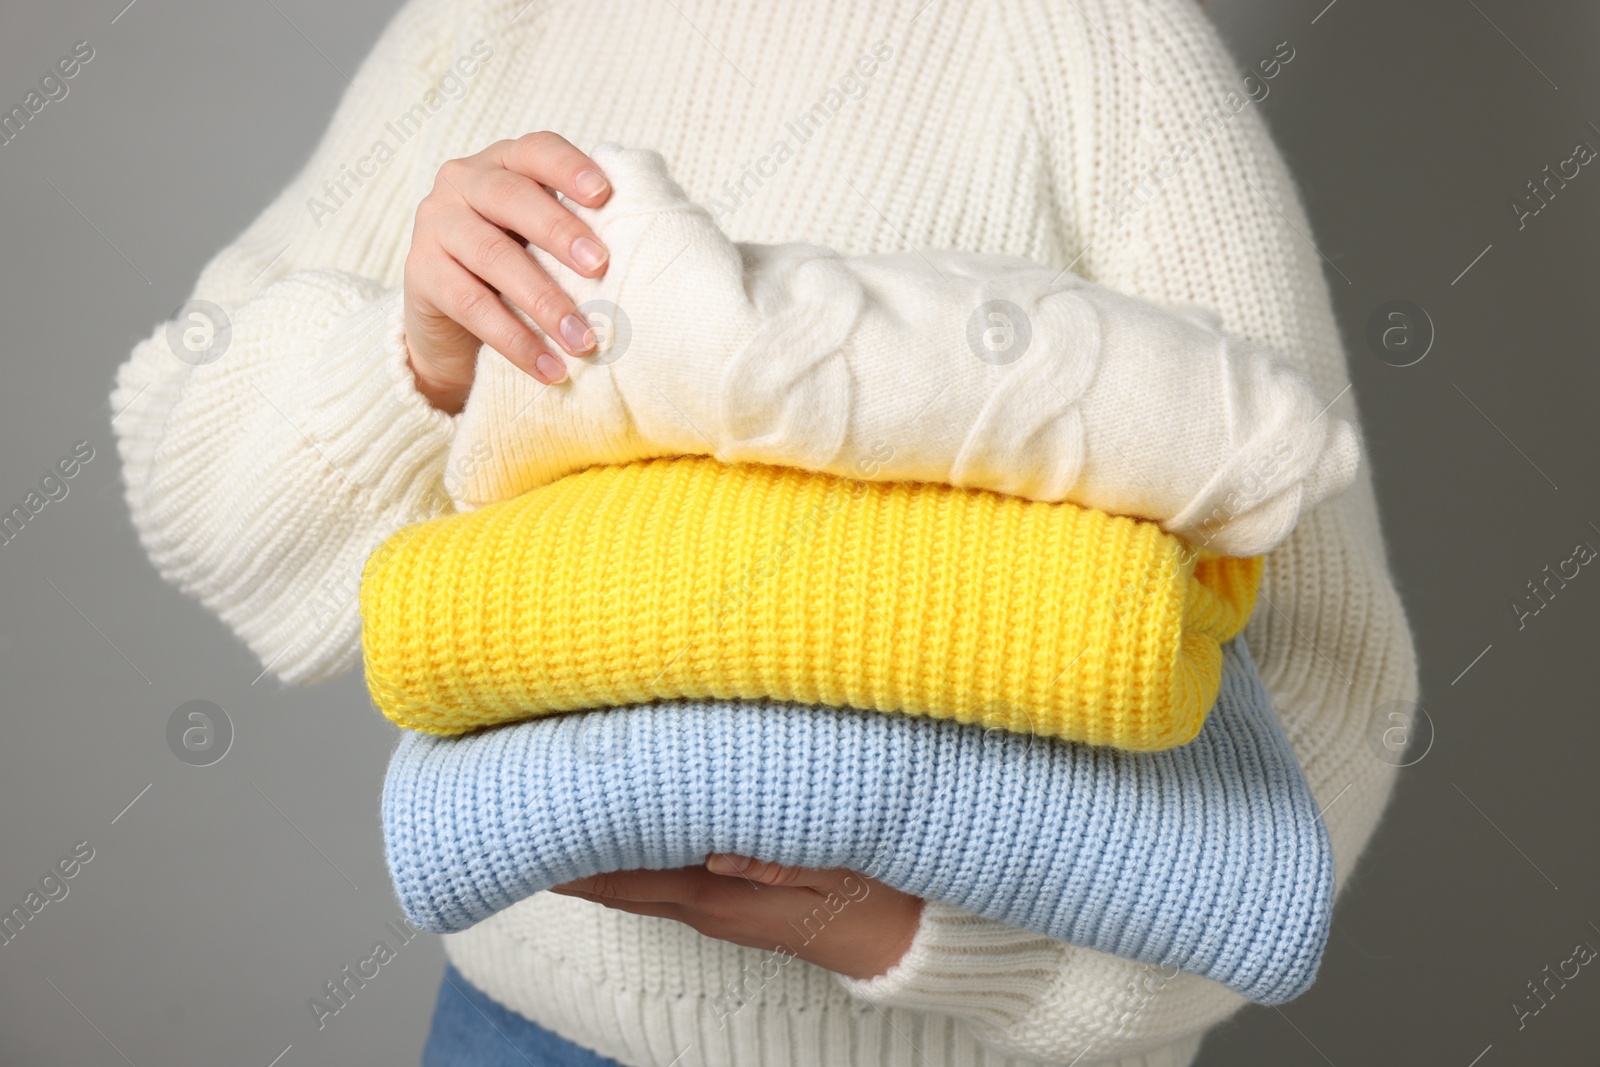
x,y
686,577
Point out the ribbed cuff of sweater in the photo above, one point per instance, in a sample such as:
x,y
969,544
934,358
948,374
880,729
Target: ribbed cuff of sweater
x,y
331,448
361,401
986,973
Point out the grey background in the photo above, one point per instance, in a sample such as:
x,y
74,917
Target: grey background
x,y
226,895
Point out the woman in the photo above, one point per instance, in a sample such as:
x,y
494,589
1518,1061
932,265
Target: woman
x,y
1114,138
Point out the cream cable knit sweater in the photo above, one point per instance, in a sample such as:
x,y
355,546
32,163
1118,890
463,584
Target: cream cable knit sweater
x,y
1109,135
936,365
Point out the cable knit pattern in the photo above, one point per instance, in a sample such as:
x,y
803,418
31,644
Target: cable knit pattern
x,y
690,578
1041,129
936,365
1210,858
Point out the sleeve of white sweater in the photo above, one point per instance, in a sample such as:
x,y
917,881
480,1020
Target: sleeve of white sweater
x,y
944,366
1225,229
262,471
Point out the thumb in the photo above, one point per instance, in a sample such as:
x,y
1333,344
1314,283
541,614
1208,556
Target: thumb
x,y
640,182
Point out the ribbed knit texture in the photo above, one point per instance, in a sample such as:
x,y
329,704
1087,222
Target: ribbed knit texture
x,y
691,578
1210,858
260,483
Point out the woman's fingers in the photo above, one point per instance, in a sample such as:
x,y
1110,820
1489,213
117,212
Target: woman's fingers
x,y
550,159
495,257
674,885
733,865
778,908
522,205
466,256
477,308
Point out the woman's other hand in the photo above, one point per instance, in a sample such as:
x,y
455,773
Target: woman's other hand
x,y
468,249
834,918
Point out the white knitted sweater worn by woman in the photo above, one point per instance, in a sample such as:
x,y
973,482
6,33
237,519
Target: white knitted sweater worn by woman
x,y
1116,137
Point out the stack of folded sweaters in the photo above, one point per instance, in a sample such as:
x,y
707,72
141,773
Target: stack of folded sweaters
x,y
999,665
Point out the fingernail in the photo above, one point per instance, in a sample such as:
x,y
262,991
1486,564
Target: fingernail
x,y
576,333
551,367
590,183
587,254
722,863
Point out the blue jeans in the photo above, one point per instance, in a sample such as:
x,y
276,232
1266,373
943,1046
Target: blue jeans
x,y
470,1030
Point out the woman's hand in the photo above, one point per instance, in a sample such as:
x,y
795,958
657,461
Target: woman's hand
x,y
834,918
468,248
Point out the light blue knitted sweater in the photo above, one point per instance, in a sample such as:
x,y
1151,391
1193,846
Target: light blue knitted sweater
x,y
1211,858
